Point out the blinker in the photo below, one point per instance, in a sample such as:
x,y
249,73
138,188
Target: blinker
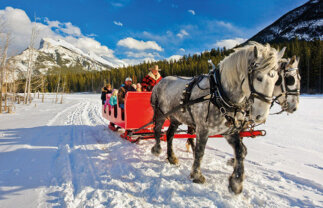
x,y
290,80
279,81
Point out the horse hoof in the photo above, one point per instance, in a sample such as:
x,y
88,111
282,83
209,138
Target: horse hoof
x,y
156,150
200,179
235,185
197,178
173,160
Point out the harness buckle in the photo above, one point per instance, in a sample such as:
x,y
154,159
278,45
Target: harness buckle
x,y
223,110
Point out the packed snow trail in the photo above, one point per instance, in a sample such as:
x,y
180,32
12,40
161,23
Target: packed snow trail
x,y
55,155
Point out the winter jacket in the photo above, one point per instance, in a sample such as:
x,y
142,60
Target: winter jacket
x,y
149,81
107,101
123,91
113,100
104,92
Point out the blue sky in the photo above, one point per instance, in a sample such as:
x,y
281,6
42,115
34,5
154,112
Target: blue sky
x,y
136,30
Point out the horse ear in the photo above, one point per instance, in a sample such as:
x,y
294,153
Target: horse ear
x,y
292,60
281,53
255,51
297,59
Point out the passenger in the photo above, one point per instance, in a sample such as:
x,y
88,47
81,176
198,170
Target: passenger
x,y
139,88
150,80
127,86
113,99
113,104
107,102
105,90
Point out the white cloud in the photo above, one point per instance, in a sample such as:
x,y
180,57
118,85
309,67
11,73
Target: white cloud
x,y
70,29
118,23
52,24
90,45
229,43
174,58
142,54
225,24
19,26
191,11
182,49
66,28
139,44
164,38
182,33
138,61
215,24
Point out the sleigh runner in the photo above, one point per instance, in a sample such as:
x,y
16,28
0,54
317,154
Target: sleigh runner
x,y
138,112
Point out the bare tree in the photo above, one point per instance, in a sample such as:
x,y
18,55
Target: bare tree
x,y
64,82
3,68
42,88
34,34
58,82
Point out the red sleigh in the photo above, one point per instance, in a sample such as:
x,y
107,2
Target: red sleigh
x,y
138,112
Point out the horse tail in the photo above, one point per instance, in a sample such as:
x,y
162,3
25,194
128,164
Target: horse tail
x,y
154,98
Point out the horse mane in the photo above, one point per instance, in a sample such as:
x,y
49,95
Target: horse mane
x,y
234,68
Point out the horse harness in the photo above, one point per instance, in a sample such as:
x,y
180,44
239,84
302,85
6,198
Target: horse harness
x,y
284,81
218,97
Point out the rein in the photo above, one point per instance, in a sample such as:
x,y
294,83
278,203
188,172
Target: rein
x,y
285,91
218,97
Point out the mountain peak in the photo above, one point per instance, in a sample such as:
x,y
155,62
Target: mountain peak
x,y
304,22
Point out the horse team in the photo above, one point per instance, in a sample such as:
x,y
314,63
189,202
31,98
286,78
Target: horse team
x,y
252,78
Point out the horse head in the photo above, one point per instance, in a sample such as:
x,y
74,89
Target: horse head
x,y
263,73
287,87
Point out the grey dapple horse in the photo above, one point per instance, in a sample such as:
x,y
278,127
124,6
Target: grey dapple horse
x,y
287,88
254,62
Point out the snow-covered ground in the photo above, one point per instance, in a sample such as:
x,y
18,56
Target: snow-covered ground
x,y
63,155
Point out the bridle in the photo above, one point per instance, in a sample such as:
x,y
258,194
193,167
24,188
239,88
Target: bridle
x,y
219,98
253,93
284,82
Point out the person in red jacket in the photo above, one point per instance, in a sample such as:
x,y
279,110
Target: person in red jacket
x,y
150,80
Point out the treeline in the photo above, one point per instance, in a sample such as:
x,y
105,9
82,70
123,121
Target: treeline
x,y
75,80
310,66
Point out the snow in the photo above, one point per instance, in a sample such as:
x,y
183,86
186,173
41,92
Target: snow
x,y
63,155
65,44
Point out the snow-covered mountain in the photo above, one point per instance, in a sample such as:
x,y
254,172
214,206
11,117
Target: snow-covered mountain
x,y
60,53
304,22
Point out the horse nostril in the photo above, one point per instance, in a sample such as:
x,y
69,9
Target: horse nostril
x,y
258,117
294,109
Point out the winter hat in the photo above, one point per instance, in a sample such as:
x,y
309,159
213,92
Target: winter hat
x,y
128,79
155,68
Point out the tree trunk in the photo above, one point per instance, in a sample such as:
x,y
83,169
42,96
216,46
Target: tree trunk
x,y
42,88
59,80
2,68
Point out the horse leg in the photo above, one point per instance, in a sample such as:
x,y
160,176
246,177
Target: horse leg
x,y
201,140
190,143
170,134
159,122
240,152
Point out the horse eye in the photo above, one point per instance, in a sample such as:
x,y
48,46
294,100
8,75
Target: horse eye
x,y
271,74
259,79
